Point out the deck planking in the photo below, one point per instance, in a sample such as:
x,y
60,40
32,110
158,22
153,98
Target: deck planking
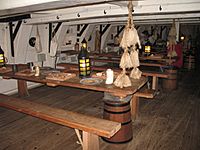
x,y
170,122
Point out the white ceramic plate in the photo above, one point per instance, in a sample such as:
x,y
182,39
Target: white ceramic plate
x,y
91,81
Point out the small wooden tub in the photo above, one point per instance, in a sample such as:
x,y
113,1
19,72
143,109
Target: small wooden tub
x,y
120,112
170,83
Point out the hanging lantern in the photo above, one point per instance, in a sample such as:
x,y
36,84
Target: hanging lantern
x,y
182,37
147,48
2,58
84,61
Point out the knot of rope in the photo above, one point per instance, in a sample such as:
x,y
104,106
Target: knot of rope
x,y
130,17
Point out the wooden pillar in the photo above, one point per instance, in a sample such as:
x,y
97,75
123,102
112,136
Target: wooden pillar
x,y
155,83
90,141
134,107
22,88
98,42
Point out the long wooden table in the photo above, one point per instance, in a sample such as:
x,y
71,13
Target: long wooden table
x,y
154,74
157,60
75,83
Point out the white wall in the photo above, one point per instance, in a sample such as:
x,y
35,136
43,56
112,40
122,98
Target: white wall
x,y
23,51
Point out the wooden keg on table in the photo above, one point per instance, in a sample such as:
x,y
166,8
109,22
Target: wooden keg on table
x,y
170,83
120,112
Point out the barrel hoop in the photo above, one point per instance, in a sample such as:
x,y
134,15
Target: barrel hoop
x,y
118,104
107,140
121,112
125,123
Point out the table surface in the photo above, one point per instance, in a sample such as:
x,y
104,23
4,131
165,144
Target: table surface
x,y
75,82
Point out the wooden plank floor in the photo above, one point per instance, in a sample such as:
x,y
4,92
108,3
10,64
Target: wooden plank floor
x,y
170,122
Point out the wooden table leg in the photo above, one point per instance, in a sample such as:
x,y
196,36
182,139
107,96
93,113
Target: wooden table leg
x,y
134,107
155,83
22,88
90,141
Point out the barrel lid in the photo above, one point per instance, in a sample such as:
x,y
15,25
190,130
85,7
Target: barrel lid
x,y
109,97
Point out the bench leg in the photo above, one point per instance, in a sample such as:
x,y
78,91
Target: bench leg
x,y
155,83
22,88
90,141
134,107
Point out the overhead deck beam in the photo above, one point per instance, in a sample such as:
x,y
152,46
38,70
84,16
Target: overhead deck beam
x,y
13,7
142,11
157,18
85,10
15,18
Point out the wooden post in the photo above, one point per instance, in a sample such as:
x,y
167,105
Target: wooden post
x,y
98,42
90,141
154,83
134,107
22,88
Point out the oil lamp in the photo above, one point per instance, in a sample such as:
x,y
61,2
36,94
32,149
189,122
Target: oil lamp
x,y
84,61
182,37
2,58
147,48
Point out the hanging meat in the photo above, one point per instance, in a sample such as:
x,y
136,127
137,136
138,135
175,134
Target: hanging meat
x,y
130,36
125,61
129,41
172,41
135,58
122,80
38,45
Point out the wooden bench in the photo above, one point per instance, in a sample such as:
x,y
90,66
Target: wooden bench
x,y
92,127
117,61
155,75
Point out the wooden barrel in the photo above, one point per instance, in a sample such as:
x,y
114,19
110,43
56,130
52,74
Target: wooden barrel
x,y
189,62
119,112
170,83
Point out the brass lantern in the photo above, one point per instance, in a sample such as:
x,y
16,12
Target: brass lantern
x,y
84,61
147,48
2,58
